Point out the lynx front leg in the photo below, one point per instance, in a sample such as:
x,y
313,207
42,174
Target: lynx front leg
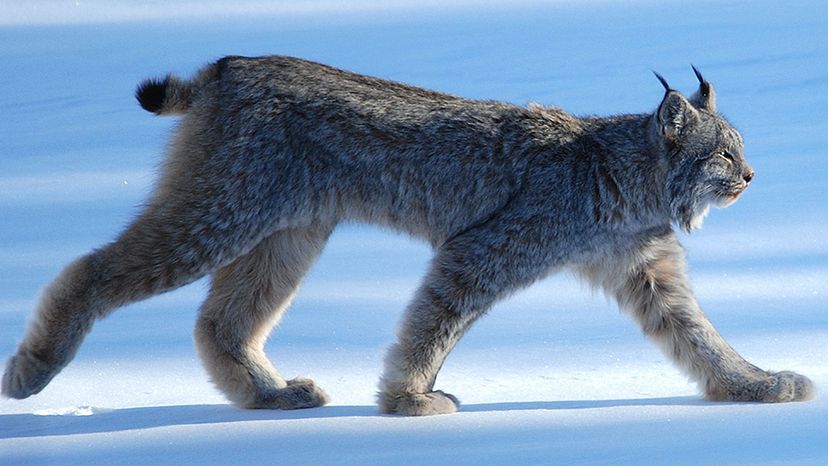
x,y
658,295
247,299
430,330
468,274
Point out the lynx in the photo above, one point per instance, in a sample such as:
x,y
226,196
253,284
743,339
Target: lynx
x,y
272,153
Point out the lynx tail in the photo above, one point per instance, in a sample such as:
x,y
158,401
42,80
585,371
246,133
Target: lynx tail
x,y
168,96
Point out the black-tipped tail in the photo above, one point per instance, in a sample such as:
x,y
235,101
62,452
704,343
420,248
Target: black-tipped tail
x,y
151,94
167,96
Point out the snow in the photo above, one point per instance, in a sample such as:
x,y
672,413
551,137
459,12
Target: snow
x,y
553,375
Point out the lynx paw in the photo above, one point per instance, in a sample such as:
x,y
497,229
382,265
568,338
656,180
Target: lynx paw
x,y
785,386
419,404
26,375
772,387
299,393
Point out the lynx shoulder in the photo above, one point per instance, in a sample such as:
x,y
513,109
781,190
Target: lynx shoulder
x,y
272,153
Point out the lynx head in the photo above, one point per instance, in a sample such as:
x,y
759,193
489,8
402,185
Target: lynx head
x,y
705,154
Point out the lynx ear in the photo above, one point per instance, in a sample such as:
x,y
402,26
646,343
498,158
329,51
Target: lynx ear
x,y
705,97
674,115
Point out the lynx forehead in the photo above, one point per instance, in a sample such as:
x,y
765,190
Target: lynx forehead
x,y
273,152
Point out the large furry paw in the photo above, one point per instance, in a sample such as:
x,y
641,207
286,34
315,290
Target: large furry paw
x,y
782,387
773,387
418,404
299,393
26,375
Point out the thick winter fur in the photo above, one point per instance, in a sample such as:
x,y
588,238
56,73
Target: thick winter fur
x,y
272,153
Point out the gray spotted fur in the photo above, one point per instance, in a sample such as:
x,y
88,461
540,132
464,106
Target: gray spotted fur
x,y
272,153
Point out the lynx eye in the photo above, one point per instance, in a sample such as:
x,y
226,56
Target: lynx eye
x,y
725,155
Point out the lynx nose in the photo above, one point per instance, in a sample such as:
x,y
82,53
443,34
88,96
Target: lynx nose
x,y
748,175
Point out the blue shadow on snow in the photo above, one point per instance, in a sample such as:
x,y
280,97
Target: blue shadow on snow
x,y
35,425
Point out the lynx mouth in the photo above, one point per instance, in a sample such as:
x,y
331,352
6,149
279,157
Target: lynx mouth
x,y
729,198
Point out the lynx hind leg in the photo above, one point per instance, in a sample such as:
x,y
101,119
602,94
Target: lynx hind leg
x,y
177,239
657,293
64,315
153,255
248,297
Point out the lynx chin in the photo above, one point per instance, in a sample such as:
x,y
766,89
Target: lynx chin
x,y
272,153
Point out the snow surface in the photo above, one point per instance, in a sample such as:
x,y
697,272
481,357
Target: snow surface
x,y
554,375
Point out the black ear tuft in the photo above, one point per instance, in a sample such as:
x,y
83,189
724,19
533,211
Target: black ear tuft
x,y
151,94
704,97
704,86
698,74
663,81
